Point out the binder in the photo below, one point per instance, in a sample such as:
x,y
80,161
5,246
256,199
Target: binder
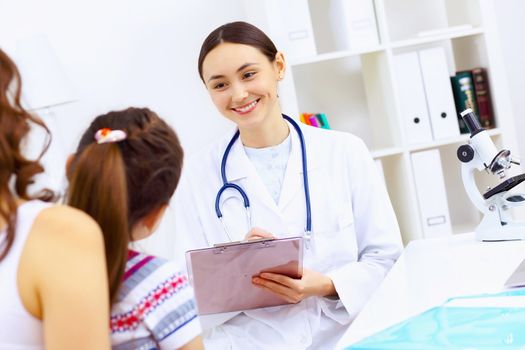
x,y
412,101
286,22
354,24
431,193
440,99
222,275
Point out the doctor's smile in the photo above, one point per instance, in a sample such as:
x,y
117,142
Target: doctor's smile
x,y
247,108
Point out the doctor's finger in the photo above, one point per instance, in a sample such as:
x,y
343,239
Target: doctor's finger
x,y
256,233
282,284
284,280
281,291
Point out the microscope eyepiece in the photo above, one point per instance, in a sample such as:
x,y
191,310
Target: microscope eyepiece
x,y
472,121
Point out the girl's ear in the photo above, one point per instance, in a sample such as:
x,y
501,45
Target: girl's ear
x,y
280,65
152,220
148,224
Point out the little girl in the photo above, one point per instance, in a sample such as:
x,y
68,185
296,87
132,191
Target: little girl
x,y
124,172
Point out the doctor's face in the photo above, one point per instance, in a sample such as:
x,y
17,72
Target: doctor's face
x,y
242,83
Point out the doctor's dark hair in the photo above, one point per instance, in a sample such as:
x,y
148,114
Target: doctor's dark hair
x,y
120,183
15,123
237,33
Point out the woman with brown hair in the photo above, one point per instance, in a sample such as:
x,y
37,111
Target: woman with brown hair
x,y
300,181
53,286
124,172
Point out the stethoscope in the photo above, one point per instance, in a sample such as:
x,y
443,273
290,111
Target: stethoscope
x,y
228,185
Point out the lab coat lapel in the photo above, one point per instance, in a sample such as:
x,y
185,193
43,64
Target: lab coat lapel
x,y
236,168
293,179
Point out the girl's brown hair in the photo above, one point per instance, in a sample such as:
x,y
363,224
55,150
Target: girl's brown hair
x,y
237,33
14,127
120,183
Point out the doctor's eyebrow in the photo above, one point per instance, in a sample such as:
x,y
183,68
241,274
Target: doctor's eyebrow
x,y
213,77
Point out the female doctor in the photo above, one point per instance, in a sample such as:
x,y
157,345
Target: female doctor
x,y
331,194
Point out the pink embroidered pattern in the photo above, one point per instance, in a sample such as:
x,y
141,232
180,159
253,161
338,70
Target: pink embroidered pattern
x,y
131,319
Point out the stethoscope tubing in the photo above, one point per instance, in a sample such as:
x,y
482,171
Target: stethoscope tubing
x,y
228,185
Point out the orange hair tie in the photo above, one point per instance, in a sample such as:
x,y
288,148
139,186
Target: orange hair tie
x,y
106,135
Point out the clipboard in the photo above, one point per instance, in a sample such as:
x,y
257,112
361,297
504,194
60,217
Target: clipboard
x,y
222,275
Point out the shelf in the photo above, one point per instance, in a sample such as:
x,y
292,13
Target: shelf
x,y
335,55
358,90
438,37
464,227
449,141
386,152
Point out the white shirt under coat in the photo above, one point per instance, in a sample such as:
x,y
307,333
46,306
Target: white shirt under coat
x,y
355,236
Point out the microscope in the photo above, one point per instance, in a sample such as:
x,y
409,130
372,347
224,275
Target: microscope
x,y
481,154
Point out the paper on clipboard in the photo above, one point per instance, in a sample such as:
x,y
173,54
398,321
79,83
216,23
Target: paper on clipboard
x,y
222,276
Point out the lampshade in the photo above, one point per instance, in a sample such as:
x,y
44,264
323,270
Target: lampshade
x,y
45,83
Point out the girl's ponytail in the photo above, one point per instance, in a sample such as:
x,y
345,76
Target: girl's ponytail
x,y
121,182
98,187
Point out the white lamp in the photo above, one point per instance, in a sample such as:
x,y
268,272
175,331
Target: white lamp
x,y
44,85
44,81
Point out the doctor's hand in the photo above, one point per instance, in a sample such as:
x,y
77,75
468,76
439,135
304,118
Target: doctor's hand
x,y
258,233
294,290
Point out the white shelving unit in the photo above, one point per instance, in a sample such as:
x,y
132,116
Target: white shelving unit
x,y
356,89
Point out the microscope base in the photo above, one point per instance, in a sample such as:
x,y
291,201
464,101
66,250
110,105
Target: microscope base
x,y
509,232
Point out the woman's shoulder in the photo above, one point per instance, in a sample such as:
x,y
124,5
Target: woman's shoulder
x,y
68,225
66,215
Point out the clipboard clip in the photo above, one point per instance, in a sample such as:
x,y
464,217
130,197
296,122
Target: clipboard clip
x,y
227,244
260,243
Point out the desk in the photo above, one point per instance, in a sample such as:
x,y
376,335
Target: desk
x,y
431,271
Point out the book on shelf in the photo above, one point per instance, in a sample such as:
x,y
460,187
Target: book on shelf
x,y
318,120
471,90
464,96
481,86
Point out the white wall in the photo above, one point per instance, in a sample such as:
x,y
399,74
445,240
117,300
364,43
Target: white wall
x,y
509,16
120,53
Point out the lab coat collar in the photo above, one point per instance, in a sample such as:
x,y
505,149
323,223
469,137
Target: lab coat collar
x,y
238,164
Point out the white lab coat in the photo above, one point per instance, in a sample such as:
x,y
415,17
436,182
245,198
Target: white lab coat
x,y
355,237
